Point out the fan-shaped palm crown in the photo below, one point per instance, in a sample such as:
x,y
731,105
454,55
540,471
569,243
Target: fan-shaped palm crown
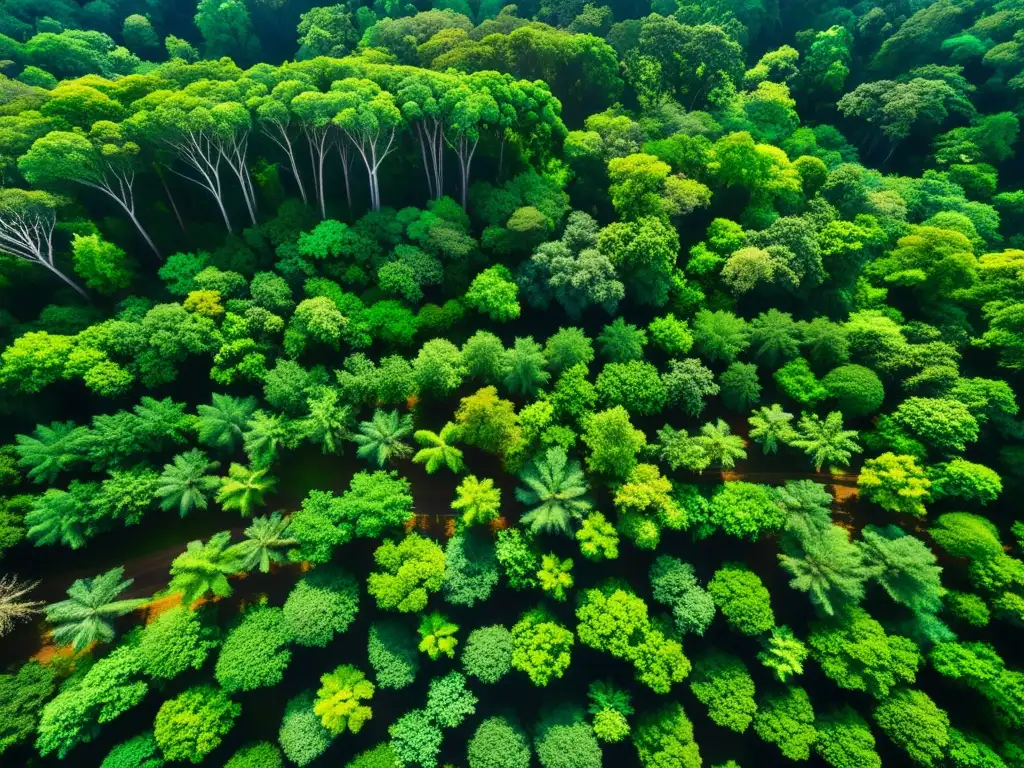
x,y
555,488
87,615
380,438
185,483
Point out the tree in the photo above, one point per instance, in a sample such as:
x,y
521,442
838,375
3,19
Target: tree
x,y
437,369
567,745
338,702
260,754
226,30
787,720
722,684
203,568
674,583
525,364
945,424
555,576
50,450
913,721
243,488
141,751
825,441
437,636
221,425
411,569
415,739
687,383
87,615
742,598
488,422
478,501
322,604
613,442
644,251
194,723
622,342
437,450
483,357
27,222
380,439
857,390
720,336
858,655
556,491
844,739
966,480
493,293
102,265
745,510
255,653
497,743
598,538
828,566
610,707
770,427
895,483
541,646
518,558
904,566
665,736
12,607
185,483
392,653
176,641
487,654
104,164
740,386
471,569
449,703
784,653
302,736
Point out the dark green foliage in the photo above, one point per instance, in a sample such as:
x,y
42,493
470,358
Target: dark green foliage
x,y
255,654
321,605
487,654
22,694
393,654
139,752
302,736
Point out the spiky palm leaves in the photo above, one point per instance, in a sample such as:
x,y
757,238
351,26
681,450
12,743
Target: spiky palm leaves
x,y
87,615
50,450
380,438
185,483
12,605
720,445
437,450
555,488
328,421
770,426
221,425
825,440
264,540
478,500
204,568
243,489
438,636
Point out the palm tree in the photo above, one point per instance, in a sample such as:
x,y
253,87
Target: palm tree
x,y
478,500
266,433
328,422
557,487
12,607
809,505
50,450
185,483
438,636
720,445
203,568
243,488
265,536
826,442
770,426
380,438
438,450
87,615
221,424
829,567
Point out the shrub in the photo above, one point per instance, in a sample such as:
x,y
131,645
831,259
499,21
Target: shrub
x,y
488,653
321,605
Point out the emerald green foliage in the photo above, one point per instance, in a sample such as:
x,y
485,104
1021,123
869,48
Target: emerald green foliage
x,y
22,696
254,653
562,741
857,654
381,756
415,739
303,738
518,558
745,510
487,654
393,654
845,740
674,583
828,567
471,569
87,615
556,491
979,666
139,752
321,605
742,599
260,754
449,703
914,722
204,568
722,684
784,653
857,390
380,439
497,743
176,641
193,724
787,720
666,737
